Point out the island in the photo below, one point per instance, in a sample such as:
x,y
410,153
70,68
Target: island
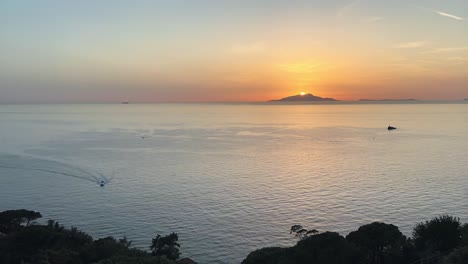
x,y
303,97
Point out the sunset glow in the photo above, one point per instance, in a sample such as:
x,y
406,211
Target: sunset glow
x,y
233,131
152,51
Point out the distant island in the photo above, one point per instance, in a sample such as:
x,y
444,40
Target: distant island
x,y
303,98
385,100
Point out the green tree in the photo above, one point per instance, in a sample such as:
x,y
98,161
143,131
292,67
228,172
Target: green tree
x,y
378,242
301,232
12,220
440,234
436,238
464,234
270,255
458,256
166,246
324,248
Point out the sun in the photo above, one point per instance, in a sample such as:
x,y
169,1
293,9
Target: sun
x,y
302,93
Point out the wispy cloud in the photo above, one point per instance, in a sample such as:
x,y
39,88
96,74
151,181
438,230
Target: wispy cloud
x,y
345,9
374,19
301,67
398,59
255,47
412,45
457,60
453,49
448,15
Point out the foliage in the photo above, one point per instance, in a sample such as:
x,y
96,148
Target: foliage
x,y
166,246
378,242
272,255
458,256
464,234
326,248
54,244
440,234
301,232
442,240
433,242
12,220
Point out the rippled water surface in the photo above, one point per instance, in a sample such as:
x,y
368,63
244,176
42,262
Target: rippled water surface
x,y
233,178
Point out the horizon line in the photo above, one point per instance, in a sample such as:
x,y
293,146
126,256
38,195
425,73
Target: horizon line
x,y
363,100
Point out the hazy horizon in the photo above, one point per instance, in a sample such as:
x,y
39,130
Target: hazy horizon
x,y
210,51
268,102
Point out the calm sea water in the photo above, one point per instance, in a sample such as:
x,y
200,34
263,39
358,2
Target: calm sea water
x,y
233,178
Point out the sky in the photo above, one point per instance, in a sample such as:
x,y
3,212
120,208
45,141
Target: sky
x,y
245,50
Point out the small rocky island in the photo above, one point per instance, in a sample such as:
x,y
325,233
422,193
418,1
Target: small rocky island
x,y
303,98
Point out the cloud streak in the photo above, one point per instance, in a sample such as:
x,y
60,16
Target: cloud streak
x,y
448,15
442,50
301,67
256,47
374,19
345,9
412,45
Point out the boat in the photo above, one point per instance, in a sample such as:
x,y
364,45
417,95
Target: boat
x,y
126,102
101,184
391,128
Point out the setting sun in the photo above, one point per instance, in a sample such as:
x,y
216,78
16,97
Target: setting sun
x,y
302,93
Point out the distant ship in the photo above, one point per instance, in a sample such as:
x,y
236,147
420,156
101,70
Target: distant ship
x,y
126,102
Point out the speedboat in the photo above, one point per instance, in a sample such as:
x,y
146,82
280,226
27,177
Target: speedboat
x,y
391,128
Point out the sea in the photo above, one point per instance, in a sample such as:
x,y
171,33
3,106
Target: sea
x,y
231,178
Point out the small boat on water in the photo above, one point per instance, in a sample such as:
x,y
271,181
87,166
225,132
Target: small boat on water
x,y
126,102
391,128
101,184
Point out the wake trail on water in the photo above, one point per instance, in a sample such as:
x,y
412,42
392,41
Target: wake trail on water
x,y
17,162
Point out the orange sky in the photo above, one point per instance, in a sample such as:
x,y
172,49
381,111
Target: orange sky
x,y
236,51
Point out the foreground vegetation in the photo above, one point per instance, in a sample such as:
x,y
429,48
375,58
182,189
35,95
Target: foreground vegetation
x,y
442,240
23,241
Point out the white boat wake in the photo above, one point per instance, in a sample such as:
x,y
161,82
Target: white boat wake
x,y
26,163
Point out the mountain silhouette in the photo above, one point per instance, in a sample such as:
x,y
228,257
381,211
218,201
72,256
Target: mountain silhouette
x,y
303,98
